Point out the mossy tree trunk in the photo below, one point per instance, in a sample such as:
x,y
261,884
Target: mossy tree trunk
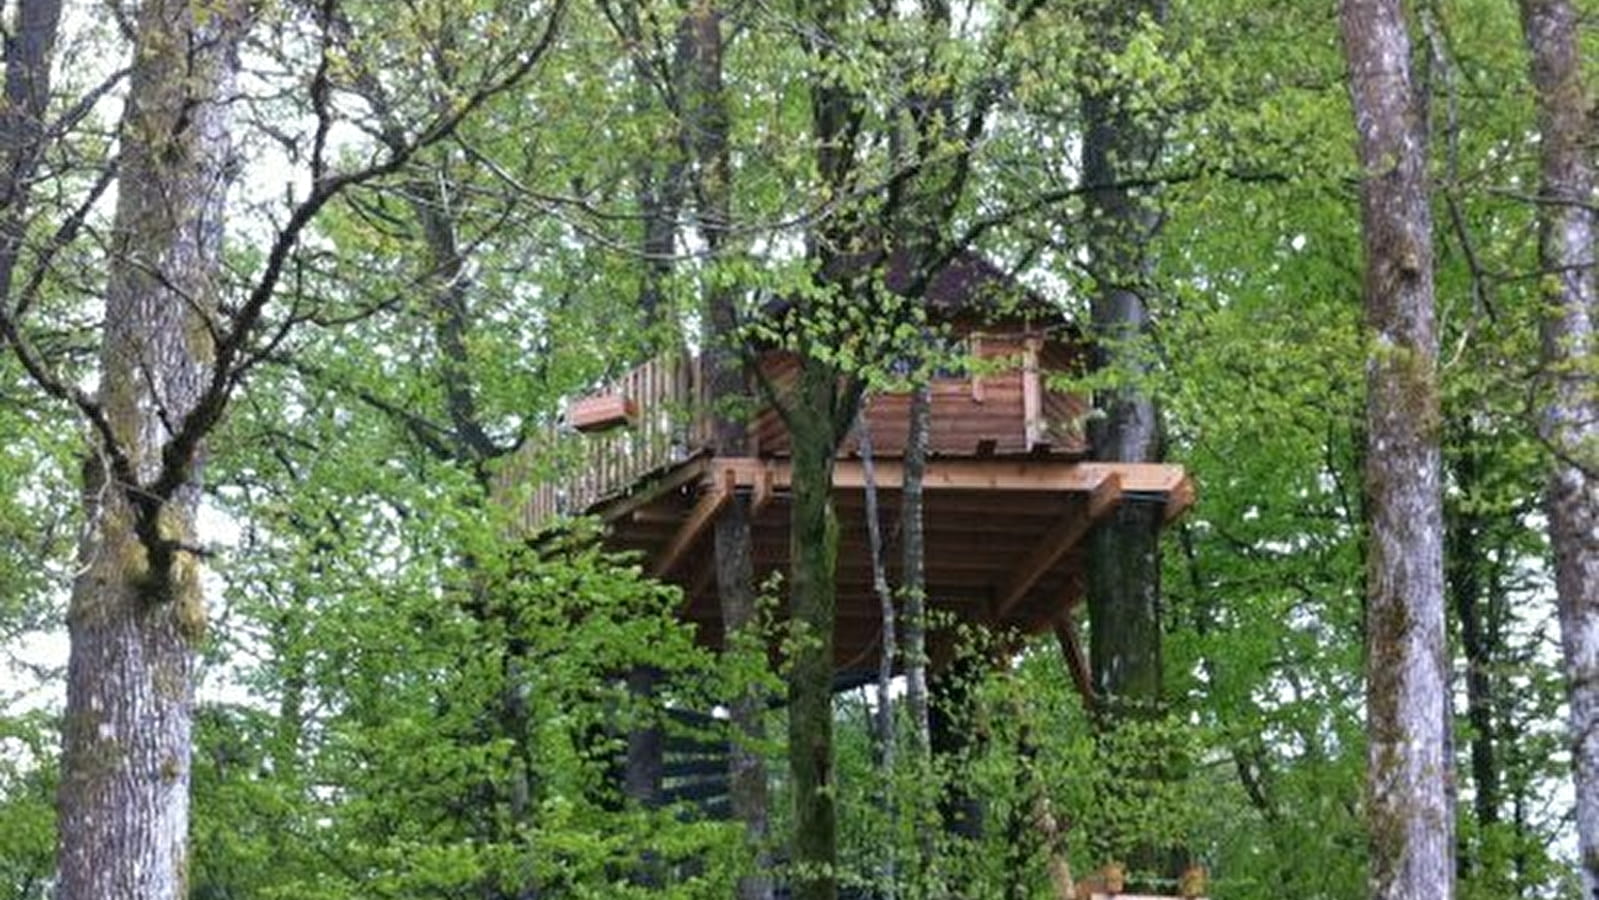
x,y
821,410
813,600
136,611
1409,813
1571,417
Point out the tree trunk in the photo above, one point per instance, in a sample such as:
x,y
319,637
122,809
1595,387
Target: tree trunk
x,y
813,550
1571,419
884,736
729,396
1409,816
913,568
136,610
1123,577
822,408
1465,562
29,54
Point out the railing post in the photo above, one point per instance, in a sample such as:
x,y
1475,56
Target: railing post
x,y
1032,394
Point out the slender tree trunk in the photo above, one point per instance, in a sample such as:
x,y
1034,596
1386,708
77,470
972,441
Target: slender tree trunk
x,y
1408,811
887,659
1464,565
1571,418
137,613
885,740
913,567
729,395
449,291
913,586
29,53
813,600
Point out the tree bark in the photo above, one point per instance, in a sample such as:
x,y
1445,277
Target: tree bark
x,y
29,54
822,407
913,568
1570,421
884,733
729,397
1123,577
1409,816
813,600
1465,564
136,611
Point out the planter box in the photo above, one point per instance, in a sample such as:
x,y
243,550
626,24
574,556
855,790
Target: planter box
x,y
601,413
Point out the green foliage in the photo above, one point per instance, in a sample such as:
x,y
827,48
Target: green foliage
x,y
27,806
401,700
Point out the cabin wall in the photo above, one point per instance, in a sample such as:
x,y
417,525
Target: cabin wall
x,y
984,410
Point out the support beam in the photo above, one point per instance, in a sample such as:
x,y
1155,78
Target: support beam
x,y
1067,531
687,473
763,494
1180,499
1076,660
704,512
997,474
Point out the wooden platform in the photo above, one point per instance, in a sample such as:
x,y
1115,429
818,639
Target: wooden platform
x,y
1003,534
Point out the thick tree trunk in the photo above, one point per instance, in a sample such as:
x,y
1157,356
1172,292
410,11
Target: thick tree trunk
x,y
822,408
136,610
1123,577
1408,810
1571,418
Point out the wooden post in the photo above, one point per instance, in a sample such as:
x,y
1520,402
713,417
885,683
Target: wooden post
x,y
979,393
1032,394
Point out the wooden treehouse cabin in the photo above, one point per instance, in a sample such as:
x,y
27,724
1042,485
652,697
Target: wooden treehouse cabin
x,y
1009,493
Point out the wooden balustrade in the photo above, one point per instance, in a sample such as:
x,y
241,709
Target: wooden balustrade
x,y
659,420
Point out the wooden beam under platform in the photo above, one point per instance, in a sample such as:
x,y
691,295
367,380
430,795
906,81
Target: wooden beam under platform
x,y
995,474
1004,537
1076,660
703,514
1065,533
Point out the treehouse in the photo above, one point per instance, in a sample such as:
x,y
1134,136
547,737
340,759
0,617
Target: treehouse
x,y
1009,492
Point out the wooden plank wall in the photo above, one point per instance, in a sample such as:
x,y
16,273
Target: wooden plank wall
x,y
970,410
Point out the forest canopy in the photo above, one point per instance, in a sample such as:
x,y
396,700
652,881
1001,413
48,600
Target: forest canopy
x,y
297,297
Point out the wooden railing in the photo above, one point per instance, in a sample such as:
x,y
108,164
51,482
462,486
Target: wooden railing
x,y
655,416
565,472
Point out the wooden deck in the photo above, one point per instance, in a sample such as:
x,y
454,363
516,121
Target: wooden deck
x,y
1009,496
